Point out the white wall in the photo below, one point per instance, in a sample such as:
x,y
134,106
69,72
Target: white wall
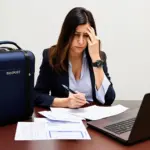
x,y
123,26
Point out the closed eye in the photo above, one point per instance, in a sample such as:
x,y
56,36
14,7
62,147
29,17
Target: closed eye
x,y
86,35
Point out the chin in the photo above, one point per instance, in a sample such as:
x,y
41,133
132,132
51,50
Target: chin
x,y
79,50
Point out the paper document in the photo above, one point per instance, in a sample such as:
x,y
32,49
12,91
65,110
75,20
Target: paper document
x,y
92,112
44,129
60,116
53,122
31,131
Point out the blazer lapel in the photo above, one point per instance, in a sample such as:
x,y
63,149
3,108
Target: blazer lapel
x,y
63,79
91,75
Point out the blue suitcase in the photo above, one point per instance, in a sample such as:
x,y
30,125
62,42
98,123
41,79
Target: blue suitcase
x,y
16,83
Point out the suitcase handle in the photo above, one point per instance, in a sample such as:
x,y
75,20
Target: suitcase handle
x,y
10,42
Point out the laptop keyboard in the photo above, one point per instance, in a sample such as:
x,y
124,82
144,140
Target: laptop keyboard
x,y
121,127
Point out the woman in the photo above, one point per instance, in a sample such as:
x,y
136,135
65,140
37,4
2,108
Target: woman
x,y
76,62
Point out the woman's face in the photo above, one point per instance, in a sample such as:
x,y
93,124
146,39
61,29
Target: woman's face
x,y
79,41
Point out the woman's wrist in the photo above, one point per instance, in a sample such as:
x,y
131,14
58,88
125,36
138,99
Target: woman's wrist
x,y
95,58
60,102
99,76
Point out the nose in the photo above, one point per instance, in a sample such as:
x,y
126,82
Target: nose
x,y
81,40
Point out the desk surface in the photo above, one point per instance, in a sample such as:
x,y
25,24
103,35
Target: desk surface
x,y
98,141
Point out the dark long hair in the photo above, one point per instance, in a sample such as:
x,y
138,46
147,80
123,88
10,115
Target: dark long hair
x,y
58,54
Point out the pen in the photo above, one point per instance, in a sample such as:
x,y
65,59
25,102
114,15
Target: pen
x,y
70,90
67,88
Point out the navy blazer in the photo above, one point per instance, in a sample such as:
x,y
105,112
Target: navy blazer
x,y
49,83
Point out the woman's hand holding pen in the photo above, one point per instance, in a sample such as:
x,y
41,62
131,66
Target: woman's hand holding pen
x,y
76,100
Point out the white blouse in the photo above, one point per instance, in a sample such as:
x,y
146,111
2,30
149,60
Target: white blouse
x,y
83,85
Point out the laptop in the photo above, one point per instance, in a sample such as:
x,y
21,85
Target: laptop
x,y
129,127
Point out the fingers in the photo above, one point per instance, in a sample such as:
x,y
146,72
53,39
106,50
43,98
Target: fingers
x,y
89,41
92,37
77,100
91,30
80,95
74,103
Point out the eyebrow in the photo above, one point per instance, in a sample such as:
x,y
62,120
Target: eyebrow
x,y
81,32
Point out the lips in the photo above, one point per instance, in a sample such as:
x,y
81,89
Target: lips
x,y
79,47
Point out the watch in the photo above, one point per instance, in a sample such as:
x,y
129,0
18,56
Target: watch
x,y
98,63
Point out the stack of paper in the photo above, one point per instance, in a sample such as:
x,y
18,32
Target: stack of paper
x,y
64,123
64,126
92,112
60,116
